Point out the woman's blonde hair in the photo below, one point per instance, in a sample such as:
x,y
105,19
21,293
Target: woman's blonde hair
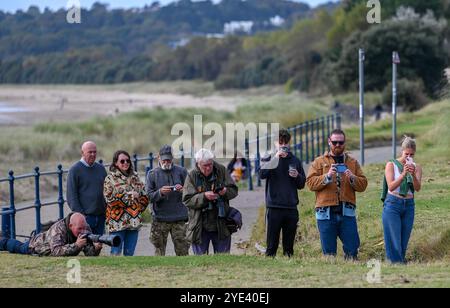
x,y
408,143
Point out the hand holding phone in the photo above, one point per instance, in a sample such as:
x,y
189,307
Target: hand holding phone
x,y
341,168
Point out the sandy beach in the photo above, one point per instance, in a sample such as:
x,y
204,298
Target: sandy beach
x,y
28,105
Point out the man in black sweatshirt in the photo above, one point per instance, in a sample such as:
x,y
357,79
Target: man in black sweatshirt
x,y
284,175
85,188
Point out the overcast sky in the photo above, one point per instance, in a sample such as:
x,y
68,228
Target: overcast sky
x,y
13,5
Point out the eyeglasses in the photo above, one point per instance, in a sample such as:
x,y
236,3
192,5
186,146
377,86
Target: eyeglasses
x,y
338,142
125,161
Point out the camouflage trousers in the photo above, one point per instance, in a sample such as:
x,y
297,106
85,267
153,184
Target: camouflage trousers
x,y
159,233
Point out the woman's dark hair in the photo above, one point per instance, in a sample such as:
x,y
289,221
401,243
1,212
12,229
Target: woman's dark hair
x,y
116,155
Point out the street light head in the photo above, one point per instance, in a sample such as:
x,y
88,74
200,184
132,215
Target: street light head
x,y
395,58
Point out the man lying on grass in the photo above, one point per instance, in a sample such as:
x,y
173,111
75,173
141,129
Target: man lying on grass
x,y
63,239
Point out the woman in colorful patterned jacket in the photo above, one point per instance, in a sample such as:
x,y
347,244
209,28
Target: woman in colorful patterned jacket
x,y
126,201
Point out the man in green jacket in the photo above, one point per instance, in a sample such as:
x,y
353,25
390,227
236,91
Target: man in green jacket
x,y
206,193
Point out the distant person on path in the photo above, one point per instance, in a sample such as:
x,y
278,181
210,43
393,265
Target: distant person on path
x,y
377,112
165,189
403,178
237,168
335,177
63,239
284,177
85,188
207,193
126,201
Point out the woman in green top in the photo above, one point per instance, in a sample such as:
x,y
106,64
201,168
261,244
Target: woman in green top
x,y
403,178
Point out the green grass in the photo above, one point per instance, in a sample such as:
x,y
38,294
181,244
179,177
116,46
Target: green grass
x,y
431,236
430,121
139,132
429,246
144,131
223,271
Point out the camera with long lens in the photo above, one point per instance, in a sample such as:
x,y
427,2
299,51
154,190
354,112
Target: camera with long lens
x,y
110,240
218,189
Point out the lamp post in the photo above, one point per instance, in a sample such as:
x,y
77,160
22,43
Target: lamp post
x,y
361,103
395,61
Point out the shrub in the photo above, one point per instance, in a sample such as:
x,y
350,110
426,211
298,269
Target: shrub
x,y
410,94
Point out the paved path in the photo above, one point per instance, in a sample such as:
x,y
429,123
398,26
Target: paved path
x,y
248,203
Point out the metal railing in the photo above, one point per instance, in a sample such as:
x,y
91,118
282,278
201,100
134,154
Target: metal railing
x,y
9,213
309,141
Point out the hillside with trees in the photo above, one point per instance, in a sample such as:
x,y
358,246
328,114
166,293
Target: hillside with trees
x,y
288,44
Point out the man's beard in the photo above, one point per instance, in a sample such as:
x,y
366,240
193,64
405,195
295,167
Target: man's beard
x,y
166,167
338,152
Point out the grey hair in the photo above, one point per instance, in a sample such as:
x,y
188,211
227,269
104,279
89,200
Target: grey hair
x,y
408,143
204,155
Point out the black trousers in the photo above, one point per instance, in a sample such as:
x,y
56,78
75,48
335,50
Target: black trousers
x,y
285,221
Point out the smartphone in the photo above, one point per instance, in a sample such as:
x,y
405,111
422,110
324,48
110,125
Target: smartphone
x,y
409,160
341,168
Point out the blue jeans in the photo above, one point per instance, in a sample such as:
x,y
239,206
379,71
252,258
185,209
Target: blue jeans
x,y
345,228
398,221
14,246
219,246
97,223
128,244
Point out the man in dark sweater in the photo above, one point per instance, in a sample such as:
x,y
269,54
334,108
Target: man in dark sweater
x,y
284,175
164,187
85,188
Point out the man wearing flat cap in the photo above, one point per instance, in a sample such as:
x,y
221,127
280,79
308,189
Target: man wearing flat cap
x,y
164,188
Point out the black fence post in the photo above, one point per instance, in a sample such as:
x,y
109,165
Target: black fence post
x,y
37,201
324,141
60,192
182,158
338,120
328,126
258,163
318,143
301,142
295,140
12,206
249,165
135,162
312,140
150,158
6,223
307,141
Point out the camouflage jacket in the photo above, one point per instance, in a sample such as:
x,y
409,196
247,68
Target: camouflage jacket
x,y
122,211
59,241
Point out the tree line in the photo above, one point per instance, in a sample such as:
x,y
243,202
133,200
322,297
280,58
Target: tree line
x,y
317,53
